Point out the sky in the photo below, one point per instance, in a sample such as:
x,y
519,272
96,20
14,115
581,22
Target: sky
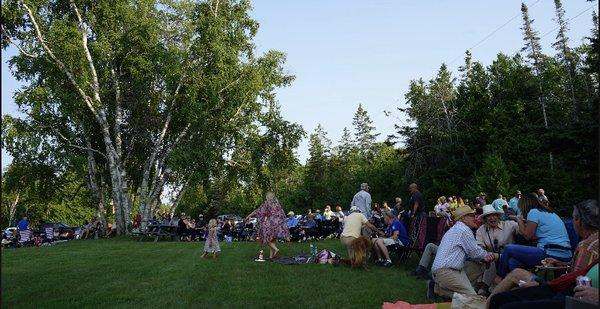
x,y
346,52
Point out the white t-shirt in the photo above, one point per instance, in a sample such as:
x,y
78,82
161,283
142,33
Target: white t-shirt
x,y
353,224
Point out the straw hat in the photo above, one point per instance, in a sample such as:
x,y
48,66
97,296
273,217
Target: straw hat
x,y
461,212
488,210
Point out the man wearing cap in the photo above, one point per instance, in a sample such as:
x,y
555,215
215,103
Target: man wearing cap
x,y
292,224
493,235
513,204
362,200
353,224
457,245
292,221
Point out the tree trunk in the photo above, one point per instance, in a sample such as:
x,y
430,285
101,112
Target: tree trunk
x,y
13,210
178,198
97,197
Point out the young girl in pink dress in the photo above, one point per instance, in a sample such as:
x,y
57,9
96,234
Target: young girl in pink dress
x,y
212,242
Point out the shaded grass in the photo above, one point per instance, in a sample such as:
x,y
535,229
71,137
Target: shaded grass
x,y
124,273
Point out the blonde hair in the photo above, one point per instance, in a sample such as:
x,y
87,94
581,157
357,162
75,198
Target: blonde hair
x,y
212,223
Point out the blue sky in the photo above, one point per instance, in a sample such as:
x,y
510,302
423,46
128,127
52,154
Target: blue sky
x,y
346,52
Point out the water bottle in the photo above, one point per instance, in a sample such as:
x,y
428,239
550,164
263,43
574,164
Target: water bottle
x,y
315,252
312,249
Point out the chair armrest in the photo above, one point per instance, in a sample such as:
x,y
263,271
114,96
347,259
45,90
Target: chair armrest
x,y
550,268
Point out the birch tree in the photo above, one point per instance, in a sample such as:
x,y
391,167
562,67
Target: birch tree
x,y
149,77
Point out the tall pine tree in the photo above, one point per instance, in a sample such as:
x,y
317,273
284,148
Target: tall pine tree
x,y
364,131
534,54
565,55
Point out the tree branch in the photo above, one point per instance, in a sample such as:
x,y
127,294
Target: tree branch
x,y
88,56
59,63
17,45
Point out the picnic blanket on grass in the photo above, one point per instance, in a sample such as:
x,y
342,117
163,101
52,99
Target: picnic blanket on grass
x,y
294,260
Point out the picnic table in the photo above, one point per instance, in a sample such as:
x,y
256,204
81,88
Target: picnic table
x,y
157,231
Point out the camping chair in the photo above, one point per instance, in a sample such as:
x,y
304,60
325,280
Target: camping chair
x,y
25,238
574,241
49,231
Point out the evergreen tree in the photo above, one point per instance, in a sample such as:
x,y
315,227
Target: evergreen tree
x,y
316,167
565,55
364,131
345,145
534,54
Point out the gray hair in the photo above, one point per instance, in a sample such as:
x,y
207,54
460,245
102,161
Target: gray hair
x,y
389,214
587,211
364,186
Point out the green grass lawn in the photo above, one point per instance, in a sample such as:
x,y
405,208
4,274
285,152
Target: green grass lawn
x,y
124,273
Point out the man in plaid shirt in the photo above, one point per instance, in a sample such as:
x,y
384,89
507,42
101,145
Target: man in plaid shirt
x,y
457,245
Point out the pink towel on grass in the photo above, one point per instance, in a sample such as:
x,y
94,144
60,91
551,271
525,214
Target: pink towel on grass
x,y
405,305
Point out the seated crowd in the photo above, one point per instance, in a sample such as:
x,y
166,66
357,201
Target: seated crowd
x,y
486,249
499,255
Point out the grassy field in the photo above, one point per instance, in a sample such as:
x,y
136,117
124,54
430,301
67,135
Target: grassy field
x,y
126,273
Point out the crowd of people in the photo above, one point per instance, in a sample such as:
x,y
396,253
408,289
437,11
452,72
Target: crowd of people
x,y
495,257
488,249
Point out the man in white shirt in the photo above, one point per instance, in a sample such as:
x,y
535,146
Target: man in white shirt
x,y
362,200
353,224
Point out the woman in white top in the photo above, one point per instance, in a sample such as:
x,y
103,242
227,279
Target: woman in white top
x,y
340,214
327,213
441,209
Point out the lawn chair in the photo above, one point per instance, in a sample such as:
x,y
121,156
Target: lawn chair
x,y
49,233
25,238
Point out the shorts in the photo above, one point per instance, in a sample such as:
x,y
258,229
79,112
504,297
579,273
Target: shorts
x,y
391,242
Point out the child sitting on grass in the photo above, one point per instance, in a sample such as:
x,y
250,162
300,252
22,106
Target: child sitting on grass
x,y
212,242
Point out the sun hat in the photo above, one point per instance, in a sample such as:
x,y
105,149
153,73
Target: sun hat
x,y
518,192
291,213
488,210
354,209
462,211
482,193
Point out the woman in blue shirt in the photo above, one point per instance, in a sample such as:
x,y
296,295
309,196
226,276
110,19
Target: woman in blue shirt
x,y
544,226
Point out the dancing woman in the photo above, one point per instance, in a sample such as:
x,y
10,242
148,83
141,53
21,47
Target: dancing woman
x,y
271,223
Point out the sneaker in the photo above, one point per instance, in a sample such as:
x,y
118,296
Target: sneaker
x,y
419,271
430,291
387,263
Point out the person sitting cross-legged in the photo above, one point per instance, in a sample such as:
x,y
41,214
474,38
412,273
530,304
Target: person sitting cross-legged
x,y
395,235
458,244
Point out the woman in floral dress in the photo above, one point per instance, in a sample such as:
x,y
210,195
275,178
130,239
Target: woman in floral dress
x,y
211,245
271,223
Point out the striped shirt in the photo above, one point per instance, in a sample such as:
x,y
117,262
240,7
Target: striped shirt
x,y
456,246
49,233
